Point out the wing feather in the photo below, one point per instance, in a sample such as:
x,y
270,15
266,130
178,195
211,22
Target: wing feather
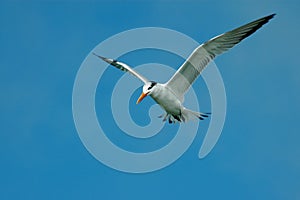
x,y
124,67
203,54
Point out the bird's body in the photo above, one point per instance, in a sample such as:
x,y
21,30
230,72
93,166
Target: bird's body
x,y
170,95
175,111
166,99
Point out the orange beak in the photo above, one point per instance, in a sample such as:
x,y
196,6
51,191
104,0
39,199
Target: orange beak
x,y
143,95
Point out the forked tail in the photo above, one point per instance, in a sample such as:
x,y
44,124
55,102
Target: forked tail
x,y
190,115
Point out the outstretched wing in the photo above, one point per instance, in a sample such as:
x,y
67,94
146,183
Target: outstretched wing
x,y
123,67
202,55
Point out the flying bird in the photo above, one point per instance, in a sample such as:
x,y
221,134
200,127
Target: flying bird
x,y
170,95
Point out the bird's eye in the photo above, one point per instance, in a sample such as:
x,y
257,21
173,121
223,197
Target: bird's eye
x,y
149,88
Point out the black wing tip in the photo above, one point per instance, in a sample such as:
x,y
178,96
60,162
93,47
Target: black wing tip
x,y
269,17
110,61
103,58
260,22
264,20
95,54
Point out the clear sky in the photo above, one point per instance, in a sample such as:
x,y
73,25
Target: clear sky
x,y
43,44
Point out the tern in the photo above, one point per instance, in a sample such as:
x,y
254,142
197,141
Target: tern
x,y
170,95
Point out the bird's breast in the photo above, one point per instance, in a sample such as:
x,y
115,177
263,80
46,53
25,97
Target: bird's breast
x,y
167,100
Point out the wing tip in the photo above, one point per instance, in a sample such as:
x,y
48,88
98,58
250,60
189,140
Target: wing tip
x,y
272,15
269,17
108,60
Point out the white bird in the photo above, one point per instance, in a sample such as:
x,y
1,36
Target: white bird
x,y
170,95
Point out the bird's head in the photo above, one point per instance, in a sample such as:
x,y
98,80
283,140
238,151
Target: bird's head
x,y
147,90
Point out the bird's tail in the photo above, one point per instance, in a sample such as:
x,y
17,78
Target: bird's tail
x,y
187,115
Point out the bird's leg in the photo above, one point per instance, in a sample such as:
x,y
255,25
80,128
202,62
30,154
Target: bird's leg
x,y
177,118
182,118
170,120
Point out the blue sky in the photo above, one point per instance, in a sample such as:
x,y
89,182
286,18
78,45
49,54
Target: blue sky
x,y
42,47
